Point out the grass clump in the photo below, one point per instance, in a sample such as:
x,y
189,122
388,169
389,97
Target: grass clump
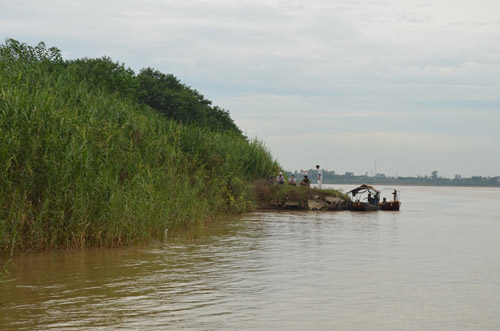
x,y
322,193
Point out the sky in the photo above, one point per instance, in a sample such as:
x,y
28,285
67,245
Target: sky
x,y
401,88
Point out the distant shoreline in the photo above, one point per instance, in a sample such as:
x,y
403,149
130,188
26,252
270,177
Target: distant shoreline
x,y
330,177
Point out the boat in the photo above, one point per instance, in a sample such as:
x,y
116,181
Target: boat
x,y
393,204
364,198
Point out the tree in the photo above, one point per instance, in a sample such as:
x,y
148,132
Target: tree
x,y
169,96
13,49
104,73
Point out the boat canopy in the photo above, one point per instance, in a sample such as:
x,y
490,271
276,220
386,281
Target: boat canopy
x,y
362,189
393,191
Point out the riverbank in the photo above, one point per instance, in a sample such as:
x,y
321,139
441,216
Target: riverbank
x,y
285,197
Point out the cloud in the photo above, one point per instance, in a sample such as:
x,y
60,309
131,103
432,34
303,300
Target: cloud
x,y
392,151
432,143
408,74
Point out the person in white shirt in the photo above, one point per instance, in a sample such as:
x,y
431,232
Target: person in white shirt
x,y
280,179
320,176
292,181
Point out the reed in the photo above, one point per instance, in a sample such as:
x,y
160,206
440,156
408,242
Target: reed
x,y
80,166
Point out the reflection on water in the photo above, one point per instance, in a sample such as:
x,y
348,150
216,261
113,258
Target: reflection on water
x,y
433,265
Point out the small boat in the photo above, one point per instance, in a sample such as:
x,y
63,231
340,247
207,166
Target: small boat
x,y
364,198
393,204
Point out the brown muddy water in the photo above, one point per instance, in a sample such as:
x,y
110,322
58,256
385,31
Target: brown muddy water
x,y
435,265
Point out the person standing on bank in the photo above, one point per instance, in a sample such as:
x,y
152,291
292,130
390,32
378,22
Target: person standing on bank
x,y
320,176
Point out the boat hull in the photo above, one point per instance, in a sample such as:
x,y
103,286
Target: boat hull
x,y
389,205
363,206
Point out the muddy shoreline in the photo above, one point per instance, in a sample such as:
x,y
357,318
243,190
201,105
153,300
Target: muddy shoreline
x,y
278,197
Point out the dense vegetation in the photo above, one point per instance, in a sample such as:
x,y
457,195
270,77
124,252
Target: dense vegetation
x,y
163,92
92,154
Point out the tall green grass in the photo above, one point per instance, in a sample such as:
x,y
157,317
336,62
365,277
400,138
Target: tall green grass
x,y
81,166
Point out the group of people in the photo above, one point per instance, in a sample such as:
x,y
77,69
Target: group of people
x,y
280,180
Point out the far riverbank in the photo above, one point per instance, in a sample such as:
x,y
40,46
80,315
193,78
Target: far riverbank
x,y
330,177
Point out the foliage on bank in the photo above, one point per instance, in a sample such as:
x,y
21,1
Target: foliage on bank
x,y
84,163
162,92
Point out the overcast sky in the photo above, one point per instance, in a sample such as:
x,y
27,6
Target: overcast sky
x,y
395,87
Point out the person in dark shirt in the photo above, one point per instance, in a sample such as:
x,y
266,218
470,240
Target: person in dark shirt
x,y
305,181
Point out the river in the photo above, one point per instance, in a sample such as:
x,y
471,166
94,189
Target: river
x,y
434,265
